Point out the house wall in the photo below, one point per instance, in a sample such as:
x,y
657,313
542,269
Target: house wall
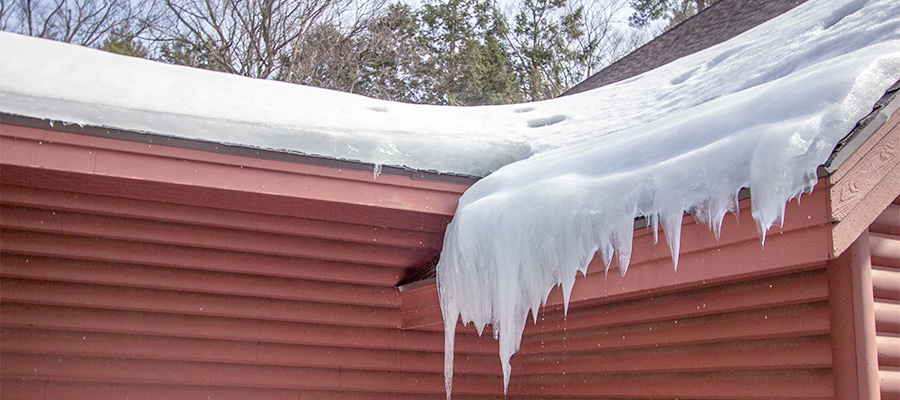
x,y
884,242
138,270
735,321
133,270
764,338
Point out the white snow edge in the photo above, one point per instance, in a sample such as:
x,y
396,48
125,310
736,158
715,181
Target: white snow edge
x,y
565,177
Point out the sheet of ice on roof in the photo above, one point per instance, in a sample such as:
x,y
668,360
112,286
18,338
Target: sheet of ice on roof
x,y
760,111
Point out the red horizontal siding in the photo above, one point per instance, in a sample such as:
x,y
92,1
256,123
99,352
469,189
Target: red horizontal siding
x,y
27,291
776,322
884,241
775,291
736,321
179,234
65,257
24,244
774,384
121,280
30,390
217,218
716,342
795,353
228,282
137,371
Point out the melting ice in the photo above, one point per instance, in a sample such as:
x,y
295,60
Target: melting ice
x,y
761,111
565,177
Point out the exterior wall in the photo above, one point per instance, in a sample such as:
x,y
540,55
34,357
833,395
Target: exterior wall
x,y
764,338
735,321
131,271
864,191
852,323
884,241
136,270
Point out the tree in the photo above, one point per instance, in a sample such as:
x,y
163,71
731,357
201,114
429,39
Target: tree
x,y
467,53
605,39
82,22
674,11
124,41
393,58
385,59
544,36
486,75
255,38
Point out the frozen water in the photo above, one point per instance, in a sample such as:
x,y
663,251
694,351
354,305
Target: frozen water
x,y
565,177
763,116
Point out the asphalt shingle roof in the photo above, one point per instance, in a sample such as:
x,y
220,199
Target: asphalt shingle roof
x,y
717,23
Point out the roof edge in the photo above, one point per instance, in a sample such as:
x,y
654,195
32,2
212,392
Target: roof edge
x,y
886,106
235,149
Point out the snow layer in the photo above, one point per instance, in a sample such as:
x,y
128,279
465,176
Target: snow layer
x,y
762,110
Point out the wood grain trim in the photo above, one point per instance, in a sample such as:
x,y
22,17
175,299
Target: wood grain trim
x,y
865,185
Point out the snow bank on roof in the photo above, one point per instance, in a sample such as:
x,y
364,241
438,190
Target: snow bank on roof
x,y
762,110
45,79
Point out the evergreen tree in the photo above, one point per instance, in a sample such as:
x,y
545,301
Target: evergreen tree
x,y
674,11
392,58
545,34
187,53
470,62
119,41
486,76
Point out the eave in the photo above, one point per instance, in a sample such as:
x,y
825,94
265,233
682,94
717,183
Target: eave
x,y
859,181
387,224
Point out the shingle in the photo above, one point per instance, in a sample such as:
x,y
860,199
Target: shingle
x,y
717,23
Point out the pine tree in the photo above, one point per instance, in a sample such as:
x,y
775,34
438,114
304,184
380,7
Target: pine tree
x,y
392,58
545,34
674,11
119,41
471,63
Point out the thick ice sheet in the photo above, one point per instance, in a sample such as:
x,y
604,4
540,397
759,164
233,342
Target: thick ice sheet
x,y
760,111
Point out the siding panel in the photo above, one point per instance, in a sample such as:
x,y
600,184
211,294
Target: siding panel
x,y
119,287
765,338
884,240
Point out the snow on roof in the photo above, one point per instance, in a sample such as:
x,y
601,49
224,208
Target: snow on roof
x,y
714,24
760,111
567,176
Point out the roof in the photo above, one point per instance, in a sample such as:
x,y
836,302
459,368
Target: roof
x,y
567,176
717,23
881,111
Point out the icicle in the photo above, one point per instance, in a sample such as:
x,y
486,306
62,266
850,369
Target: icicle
x,y
566,287
654,223
451,316
376,170
622,240
671,220
606,251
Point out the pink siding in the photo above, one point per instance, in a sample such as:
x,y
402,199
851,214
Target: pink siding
x,y
143,271
118,283
736,321
884,237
